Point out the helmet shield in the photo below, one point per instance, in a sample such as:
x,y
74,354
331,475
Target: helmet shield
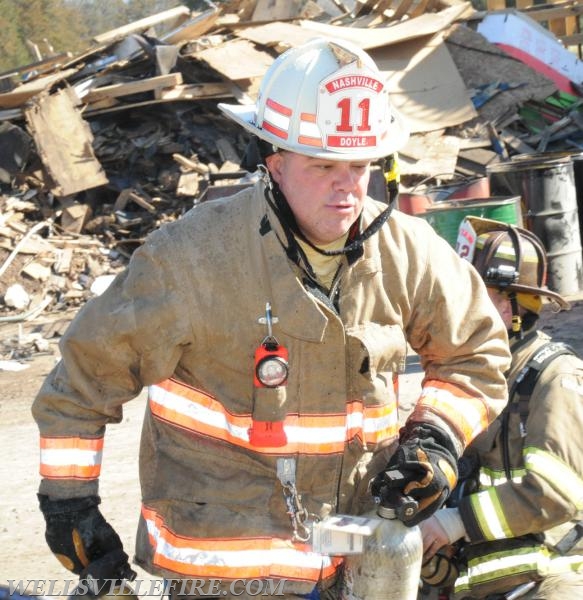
x,y
327,99
508,258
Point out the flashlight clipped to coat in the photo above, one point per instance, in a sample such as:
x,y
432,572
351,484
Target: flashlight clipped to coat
x,y
269,381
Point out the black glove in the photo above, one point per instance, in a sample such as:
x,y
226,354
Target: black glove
x,y
424,468
85,543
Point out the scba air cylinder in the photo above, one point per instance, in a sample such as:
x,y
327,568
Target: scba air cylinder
x,y
389,568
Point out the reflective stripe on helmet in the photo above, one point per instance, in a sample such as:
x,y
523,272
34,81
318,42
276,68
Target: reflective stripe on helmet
x,y
276,119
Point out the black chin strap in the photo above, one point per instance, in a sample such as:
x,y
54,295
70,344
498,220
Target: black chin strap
x,y
282,210
516,318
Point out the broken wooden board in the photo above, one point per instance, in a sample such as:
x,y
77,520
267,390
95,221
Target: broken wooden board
x,y
180,93
40,67
276,10
277,35
37,271
227,151
133,87
473,161
430,154
191,164
197,91
179,13
553,10
193,28
74,217
395,9
64,259
284,35
320,9
64,142
21,94
237,59
424,25
128,195
188,184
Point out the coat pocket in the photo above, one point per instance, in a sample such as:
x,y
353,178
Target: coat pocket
x,y
375,349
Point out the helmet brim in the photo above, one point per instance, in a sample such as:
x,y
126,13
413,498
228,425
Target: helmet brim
x,y
525,289
395,139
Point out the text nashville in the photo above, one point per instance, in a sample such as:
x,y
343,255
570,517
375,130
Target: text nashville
x,y
352,81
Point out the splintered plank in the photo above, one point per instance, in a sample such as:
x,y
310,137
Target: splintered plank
x,y
133,87
64,143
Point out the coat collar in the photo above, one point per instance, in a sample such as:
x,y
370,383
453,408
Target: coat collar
x,y
300,316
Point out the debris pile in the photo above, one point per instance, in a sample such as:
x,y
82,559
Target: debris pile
x,y
99,148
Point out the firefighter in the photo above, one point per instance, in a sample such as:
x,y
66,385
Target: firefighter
x,y
515,524
270,328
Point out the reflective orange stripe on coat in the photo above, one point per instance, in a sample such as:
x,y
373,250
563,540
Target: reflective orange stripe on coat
x,y
70,457
467,413
191,409
234,558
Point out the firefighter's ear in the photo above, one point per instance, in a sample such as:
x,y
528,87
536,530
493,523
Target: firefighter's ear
x,y
274,163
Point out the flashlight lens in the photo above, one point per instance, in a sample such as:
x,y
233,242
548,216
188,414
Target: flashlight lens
x,y
272,371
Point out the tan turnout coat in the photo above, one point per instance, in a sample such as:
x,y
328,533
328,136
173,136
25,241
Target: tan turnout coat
x,y
183,319
517,523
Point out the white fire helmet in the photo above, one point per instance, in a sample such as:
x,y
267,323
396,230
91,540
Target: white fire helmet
x,y
326,99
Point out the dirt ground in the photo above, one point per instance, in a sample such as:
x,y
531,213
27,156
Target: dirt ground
x,y
23,552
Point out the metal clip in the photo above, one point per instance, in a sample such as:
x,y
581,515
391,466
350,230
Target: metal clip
x,y
265,176
286,473
286,470
268,320
297,513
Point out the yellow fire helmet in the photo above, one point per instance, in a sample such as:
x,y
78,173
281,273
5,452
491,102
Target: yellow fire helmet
x,y
509,258
327,99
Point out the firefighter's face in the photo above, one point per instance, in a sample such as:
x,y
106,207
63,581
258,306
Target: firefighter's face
x,y
502,304
325,196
